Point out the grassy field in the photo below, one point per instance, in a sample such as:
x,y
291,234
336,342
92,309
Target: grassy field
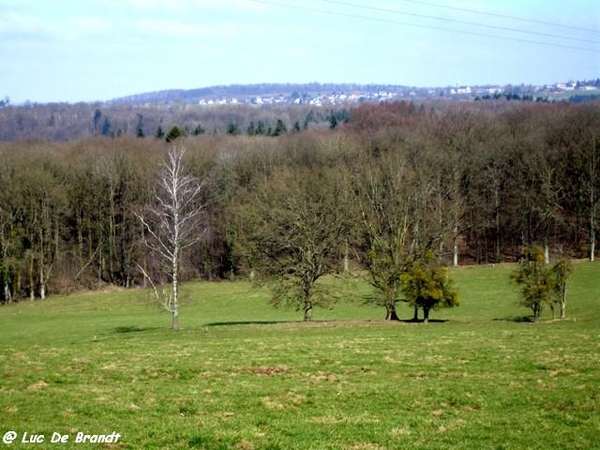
x,y
241,375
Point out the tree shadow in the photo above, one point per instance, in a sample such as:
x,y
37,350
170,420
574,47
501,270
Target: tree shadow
x,y
131,329
295,323
516,319
251,322
423,321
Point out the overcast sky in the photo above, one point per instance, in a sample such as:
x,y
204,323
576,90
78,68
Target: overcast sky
x,y
86,50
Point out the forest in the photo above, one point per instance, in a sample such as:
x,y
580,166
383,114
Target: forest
x,y
471,183
60,122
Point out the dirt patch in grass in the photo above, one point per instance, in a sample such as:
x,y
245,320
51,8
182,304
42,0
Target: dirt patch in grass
x,y
270,371
36,386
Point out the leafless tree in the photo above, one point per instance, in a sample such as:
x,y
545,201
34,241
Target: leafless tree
x,y
293,235
172,224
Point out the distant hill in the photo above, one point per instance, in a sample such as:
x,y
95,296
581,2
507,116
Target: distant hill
x,y
245,92
330,94
243,106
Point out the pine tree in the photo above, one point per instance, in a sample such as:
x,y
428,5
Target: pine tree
x,y
232,128
139,129
251,129
280,128
174,133
106,127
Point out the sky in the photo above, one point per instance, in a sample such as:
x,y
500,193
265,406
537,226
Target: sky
x,y
94,50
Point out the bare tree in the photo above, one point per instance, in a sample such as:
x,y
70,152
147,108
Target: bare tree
x,y
386,210
172,224
581,136
293,234
395,201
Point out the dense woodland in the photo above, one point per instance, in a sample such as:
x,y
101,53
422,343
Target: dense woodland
x,y
61,122
471,182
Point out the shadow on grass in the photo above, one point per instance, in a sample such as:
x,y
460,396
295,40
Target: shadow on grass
x,y
317,323
262,322
516,319
423,321
132,329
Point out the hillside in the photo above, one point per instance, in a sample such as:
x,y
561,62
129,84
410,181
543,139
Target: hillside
x,y
279,93
474,182
319,94
214,109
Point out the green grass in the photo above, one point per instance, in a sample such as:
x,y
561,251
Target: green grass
x,y
241,375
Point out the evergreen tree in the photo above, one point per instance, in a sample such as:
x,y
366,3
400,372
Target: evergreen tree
x,y
232,128
280,128
106,127
260,128
139,129
174,133
251,129
199,130
333,122
96,121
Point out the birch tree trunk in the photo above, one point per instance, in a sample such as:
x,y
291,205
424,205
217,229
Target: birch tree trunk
x,y
42,257
593,212
455,247
497,230
563,304
30,274
171,224
590,182
176,252
592,239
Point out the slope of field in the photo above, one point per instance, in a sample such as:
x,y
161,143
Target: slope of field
x,y
241,375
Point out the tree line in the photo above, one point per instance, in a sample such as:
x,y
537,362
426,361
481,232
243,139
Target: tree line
x,y
397,190
62,121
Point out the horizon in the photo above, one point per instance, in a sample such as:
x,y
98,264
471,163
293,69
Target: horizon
x,y
70,51
282,84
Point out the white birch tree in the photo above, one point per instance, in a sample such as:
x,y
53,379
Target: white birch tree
x,y
172,224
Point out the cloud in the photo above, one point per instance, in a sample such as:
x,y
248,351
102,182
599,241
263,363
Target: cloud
x,y
183,5
169,27
180,29
82,26
70,28
16,23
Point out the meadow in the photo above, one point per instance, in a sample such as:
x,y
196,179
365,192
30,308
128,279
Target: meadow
x,y
241,375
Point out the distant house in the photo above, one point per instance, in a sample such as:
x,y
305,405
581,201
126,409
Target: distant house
x,y
461,90
565,86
